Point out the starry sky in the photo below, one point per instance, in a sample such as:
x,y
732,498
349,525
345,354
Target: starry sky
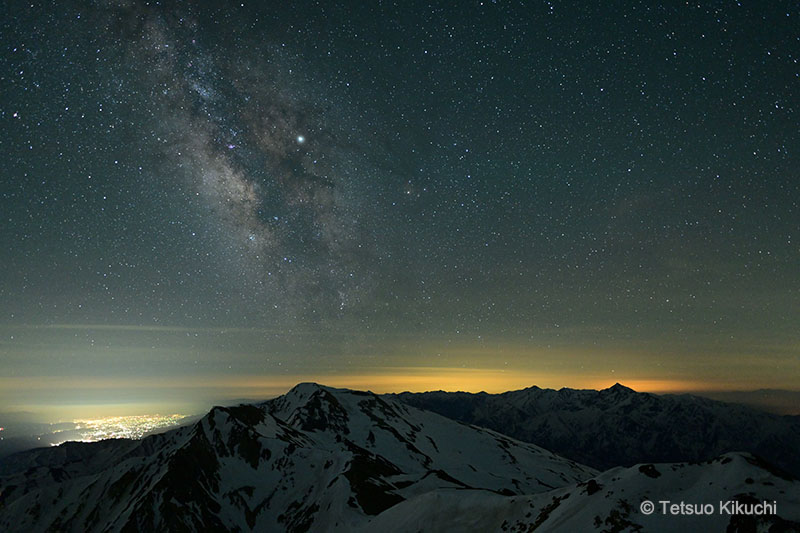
x,y
217,201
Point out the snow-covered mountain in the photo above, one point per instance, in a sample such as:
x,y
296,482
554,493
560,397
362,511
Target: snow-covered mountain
x,y
618,426
315,459
721,489
324,459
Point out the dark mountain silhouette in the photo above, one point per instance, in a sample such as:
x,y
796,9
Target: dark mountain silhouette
x,y
621,427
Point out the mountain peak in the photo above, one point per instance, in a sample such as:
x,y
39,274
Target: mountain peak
x,y
307,386
618,388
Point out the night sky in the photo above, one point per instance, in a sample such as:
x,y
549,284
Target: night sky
x,y
217,201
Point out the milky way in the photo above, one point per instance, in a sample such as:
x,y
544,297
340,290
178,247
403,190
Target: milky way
x,y
273,171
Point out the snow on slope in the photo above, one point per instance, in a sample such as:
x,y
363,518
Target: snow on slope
x,y
611,502
416,440
316,459
618,426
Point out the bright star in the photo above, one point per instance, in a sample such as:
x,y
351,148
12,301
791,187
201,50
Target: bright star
x,y
301,139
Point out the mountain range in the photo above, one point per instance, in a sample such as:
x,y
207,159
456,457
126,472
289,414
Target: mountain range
x,y
621,427
324,459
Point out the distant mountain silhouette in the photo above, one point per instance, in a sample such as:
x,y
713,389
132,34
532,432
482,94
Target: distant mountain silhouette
x,y
619,426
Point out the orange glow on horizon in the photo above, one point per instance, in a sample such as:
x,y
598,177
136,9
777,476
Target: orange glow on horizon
x,y
386,380
71,397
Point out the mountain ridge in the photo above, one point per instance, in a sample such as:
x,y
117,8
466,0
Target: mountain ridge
x,y
316,458
618,426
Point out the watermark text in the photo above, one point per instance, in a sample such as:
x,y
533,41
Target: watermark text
x,y
728,508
